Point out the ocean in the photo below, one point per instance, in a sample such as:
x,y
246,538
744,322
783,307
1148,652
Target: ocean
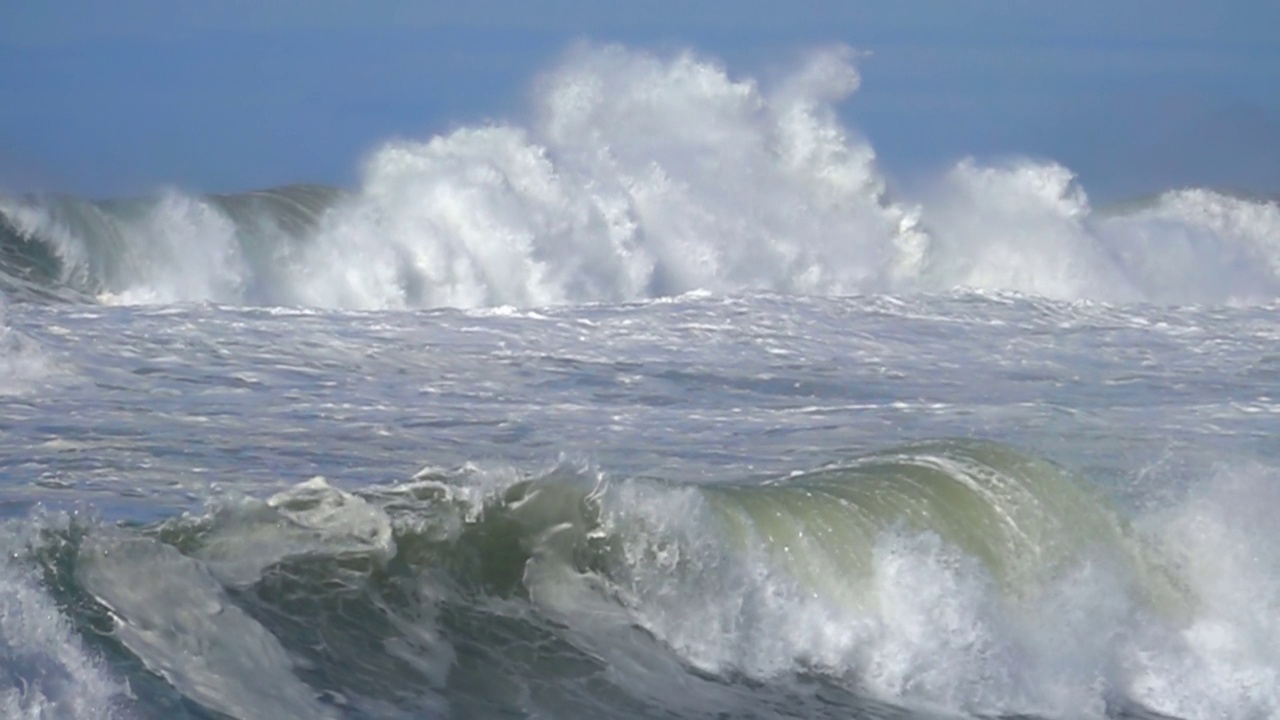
x,y
660,402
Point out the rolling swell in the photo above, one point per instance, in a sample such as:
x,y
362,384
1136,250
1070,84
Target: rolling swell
x,y
474,594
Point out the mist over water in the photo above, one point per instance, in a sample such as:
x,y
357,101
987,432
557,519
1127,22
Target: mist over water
x,y
639,176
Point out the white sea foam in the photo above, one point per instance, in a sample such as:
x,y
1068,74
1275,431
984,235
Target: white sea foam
x,y
936,629
642,175
1226,661
46,671
182,249
1199,246
1023,226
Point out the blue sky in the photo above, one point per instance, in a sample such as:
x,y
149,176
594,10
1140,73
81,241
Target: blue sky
x,y
115,97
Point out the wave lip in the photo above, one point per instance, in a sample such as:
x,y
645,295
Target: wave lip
x,y
171,247
960,575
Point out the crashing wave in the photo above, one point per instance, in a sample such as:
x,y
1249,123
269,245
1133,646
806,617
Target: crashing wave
x,y
963,576
641,176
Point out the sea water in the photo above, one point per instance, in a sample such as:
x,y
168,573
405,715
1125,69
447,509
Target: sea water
x,y
657,404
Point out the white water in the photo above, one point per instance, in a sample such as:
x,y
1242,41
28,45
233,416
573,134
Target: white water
x,y
171,405
46,670
939,632
1225,662
640,175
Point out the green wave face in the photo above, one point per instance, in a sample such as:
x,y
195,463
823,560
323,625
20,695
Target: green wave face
x,y
476,590
1026,520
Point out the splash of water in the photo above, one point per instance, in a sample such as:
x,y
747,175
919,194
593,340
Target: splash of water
x,y
641,175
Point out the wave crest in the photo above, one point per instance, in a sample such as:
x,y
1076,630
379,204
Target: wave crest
x,y
959,574
641,176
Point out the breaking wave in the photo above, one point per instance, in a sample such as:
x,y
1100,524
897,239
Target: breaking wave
x,y
638,176
960,576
